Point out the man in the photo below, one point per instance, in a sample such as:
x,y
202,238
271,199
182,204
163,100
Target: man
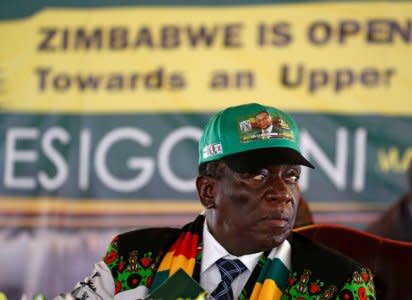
x,y
269,127
264,121
242,246
396,222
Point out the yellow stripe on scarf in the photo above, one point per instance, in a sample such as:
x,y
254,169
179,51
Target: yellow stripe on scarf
x,y
173,263
266,291
166,261
181,262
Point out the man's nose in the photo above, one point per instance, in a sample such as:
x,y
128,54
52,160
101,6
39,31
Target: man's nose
x,y
279,190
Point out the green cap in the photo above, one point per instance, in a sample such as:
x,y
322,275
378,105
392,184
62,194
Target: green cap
x,y
249,136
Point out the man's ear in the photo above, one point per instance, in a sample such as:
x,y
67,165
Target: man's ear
x,y
206,189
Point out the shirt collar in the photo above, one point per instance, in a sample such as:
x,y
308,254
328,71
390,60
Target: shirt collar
x,y
213,250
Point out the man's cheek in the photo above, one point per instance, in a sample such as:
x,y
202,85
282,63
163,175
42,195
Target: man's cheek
x,y
295,192
243,200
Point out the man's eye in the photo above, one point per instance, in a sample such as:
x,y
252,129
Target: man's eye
x,y
292,178
292,175
259,177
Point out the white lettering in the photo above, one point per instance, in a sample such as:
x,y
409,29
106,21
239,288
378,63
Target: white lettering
x,y
84,159
166,147
358,182
13,156
62,171
336,173
145,164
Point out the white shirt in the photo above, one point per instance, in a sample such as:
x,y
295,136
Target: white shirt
x,y
104,285
267,130
209,272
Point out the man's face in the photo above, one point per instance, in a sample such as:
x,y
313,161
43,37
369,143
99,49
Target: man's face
x,y
263,120
254,211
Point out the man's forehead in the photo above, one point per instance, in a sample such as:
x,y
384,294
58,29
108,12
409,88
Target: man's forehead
x,y
269,167
262,114
258,159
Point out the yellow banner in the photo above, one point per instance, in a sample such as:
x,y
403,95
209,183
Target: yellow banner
x,y
323,57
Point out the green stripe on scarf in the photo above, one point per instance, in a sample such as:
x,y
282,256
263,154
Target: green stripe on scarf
x,y
159,279
275,270
267,268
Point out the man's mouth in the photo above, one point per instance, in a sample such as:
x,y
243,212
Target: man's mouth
x,y
278,223
276,219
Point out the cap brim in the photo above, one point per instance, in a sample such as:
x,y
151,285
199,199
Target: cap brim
x,y
256,159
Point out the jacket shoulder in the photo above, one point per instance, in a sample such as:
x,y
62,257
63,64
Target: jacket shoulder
x,y
324,263
319,272
148,239
133,257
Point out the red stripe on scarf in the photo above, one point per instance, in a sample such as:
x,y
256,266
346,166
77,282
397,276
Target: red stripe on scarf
x,y
186,245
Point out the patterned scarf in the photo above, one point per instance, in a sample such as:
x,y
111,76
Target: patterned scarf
x,y
267,281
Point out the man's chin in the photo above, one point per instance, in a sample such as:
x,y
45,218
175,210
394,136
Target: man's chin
x,y
272,241
279,236
267,238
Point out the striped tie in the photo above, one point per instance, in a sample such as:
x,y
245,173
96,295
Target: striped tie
x,y
229,270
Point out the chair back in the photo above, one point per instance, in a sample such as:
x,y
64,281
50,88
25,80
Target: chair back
x,y
390,261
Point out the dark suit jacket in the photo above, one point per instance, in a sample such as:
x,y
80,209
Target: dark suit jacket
x,y
316,270
395,223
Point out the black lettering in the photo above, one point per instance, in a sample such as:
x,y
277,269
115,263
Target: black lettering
x,y
88,82
244,79
144,38
220,80
202,35
346,28
45,43
281,35
85,41
261,35
382,31
387,75
118,38
379,31
319,33
406,33
177,81
317,78
133,80
65,39
115,82
275,34
369,77
42,74
154,80
344,78
285,77
238,80
61,82
170,37
232,36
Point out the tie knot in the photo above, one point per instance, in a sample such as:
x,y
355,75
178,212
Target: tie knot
x,y
230,269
